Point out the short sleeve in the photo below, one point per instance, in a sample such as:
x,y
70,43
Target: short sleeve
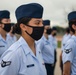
x,y
67,54
9,64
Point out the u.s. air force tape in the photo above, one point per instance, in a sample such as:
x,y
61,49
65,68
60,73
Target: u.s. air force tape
x,y
67,50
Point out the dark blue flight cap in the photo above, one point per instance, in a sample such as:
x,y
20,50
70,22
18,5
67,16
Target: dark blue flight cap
x,y
54,28
31,10
4,14
46,22
72,16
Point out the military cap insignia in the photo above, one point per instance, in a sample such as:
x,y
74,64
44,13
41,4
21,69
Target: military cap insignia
x,y
67,51
5,63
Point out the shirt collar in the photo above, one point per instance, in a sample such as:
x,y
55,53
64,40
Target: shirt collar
x,y
74,37
0,37
7,38
44,38
51,36
25,46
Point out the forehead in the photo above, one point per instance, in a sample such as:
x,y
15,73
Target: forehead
x,y
54,30
5,19
36,19
72,21
47,26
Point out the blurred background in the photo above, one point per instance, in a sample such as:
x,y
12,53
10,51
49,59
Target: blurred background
x,y
55,10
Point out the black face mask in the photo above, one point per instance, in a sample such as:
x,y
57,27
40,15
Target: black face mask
x,y
37,32
54,34
48,31
7,27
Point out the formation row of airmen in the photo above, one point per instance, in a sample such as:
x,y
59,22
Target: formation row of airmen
x,y
6,40
35,51
68,53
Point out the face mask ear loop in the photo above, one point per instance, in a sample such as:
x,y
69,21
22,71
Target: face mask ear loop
x,y
29,26
27,32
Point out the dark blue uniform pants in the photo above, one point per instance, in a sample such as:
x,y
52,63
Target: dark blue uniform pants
x,y
55,59
49,69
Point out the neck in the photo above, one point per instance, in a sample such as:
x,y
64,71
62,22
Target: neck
x,y
3,33
46,35
52,35
30,42
11,34
75,33
67,33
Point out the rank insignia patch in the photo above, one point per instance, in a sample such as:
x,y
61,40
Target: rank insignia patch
x,y
67,51
5,63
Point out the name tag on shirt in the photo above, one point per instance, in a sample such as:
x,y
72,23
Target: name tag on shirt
x,y
2,46
31,65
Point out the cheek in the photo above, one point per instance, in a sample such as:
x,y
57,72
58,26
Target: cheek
x,y
2,26
6,21
75,27
29,30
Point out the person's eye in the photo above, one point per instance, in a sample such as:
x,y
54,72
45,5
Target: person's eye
x,y
6,20
37,23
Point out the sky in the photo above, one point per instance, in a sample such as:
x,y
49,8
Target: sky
x,y
54,10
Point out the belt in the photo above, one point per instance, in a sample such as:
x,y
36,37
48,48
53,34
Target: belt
x,y
49,64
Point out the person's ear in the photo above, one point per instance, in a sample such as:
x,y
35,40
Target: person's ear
x,y
74,27
1,25
23,27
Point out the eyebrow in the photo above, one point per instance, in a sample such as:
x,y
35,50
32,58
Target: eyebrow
x,y
38,21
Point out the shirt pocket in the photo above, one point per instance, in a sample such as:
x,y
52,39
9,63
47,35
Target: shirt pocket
x,y
31,69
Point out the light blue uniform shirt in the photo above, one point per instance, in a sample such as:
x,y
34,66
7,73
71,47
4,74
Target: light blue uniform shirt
x,y
20,60
4,44
69,54
47,50
64,40
54,41
13,38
